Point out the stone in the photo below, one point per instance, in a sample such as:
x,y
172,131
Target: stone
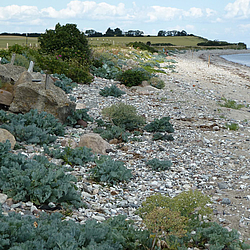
x,y
6,97
3,198
31,66
33,95
226,201
95,142
69,142
6,135
98,218
222,185
82,123
10,73
80,106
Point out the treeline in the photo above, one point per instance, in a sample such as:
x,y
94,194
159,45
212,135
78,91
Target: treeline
x,y
21,34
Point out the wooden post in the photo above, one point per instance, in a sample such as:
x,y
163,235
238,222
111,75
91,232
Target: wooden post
x,y
47,81
13,59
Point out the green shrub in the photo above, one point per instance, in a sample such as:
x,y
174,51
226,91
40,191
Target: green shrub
x,y
160,125
133,77
35,180
112,132
124,116
142,46
230,104
232,126
112,91
159,165
32,127
78,114
77,156
110,171
65,83
157,83
107,70
159,136
51,232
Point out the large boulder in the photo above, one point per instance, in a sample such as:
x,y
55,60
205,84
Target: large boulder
x,y
6,135
30,94
6,97
10,73
95,142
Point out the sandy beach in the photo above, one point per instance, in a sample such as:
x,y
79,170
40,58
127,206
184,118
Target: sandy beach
x,y
202,85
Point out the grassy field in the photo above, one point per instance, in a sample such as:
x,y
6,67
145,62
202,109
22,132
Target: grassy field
x,y
177,41
21,40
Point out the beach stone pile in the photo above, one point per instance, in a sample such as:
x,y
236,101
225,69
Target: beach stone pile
x,y
205,155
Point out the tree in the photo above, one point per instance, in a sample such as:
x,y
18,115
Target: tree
x,y
109,32
162,33
66,41
134,33
93,33
118,32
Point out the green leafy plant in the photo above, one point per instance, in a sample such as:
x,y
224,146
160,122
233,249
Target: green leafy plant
x,y
65,83
32,127
142,46
159,165
230,104
77,156
133,77
232,126
76,115
110,171
124,115
35,180
157,82
107,69
164,137
112,91
160,125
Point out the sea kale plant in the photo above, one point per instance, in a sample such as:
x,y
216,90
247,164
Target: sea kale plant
x,y
158,165
32,127
160,125
78,114
112,91
36,180
110,171
65,83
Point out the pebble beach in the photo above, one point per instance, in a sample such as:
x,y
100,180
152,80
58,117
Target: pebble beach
x,y
205,154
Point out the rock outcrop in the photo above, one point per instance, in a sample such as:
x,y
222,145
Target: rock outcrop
x,y
6,135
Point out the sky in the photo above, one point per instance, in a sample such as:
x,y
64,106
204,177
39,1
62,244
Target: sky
x,y
214,19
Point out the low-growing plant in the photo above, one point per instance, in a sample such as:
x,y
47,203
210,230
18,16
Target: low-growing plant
x,y
133,77
124,116
157,82
65,83
52,232
142,46
110,171
107,70
77,156
32,127
158,165
231,104
36,180
112,132
160,125
112,91
232,126
164,137
78,114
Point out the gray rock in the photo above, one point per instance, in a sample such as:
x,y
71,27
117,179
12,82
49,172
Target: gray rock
x,y
6,97
226,201
6,135
95,142
3,198
222,185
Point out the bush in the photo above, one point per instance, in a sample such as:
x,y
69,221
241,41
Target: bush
x,y
157,83
124,116
160,125
159,136
65,83
76,115
142,46
36,180
32,127
77,156
112,91
51,232
158,165
107,70
133,77
110,171
230,104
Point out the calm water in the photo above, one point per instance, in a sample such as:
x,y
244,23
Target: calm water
x,y
238,58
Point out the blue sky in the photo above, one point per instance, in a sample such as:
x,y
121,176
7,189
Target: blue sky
x,y
214,19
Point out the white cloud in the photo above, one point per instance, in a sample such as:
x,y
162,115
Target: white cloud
x,y
210,12
239,9
18,12
193,12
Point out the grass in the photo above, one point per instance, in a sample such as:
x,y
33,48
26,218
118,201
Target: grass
x,y
230,104
21,40
232,126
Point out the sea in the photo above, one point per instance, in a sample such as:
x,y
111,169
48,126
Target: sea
x,y
238,58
